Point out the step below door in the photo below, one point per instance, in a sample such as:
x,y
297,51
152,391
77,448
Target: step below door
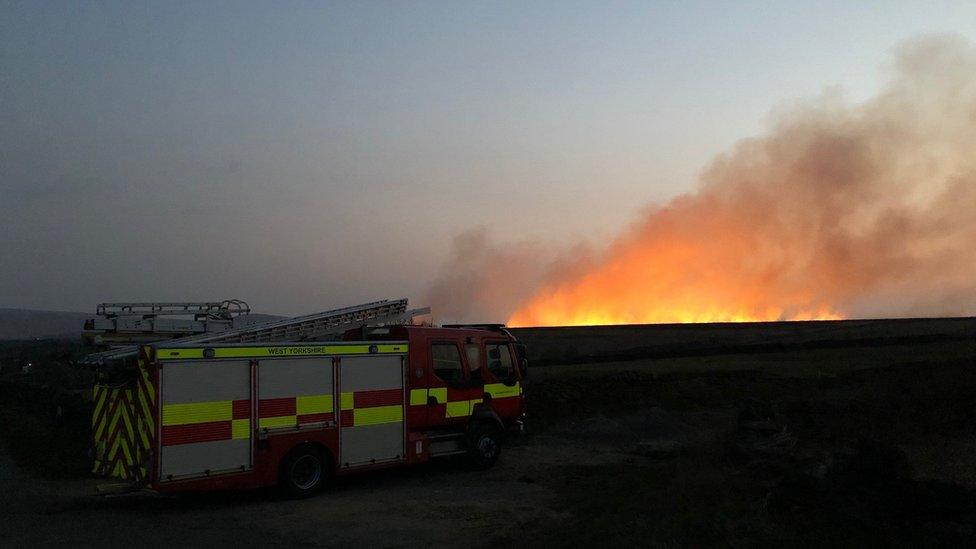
x,y
371,397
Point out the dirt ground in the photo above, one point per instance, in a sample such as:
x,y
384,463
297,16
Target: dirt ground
x,y
813,447
441,505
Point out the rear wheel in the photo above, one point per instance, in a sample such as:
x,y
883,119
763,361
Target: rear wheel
x,y
303,473
484,445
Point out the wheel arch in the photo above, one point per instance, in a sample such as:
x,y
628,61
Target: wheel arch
x,y
483,413
313,445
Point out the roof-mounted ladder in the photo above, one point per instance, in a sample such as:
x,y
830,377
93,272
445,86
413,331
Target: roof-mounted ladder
x,y
127,323
300,328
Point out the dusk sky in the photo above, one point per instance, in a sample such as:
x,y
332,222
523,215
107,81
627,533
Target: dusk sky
x,y
303,156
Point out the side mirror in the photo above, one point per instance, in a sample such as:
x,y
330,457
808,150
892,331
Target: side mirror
x,y
523,361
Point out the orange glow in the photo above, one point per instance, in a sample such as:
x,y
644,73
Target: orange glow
x,y
718,268
601,299
546,313
594,303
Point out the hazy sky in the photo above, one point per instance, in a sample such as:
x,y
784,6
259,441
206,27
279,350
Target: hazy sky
x,y
309,155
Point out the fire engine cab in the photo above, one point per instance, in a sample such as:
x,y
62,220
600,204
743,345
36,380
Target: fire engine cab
x,y
244,415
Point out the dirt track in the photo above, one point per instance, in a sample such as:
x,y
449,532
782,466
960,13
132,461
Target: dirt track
x,y
442,504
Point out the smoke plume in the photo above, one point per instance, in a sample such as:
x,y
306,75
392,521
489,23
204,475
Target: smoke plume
x,y
484,281
839,210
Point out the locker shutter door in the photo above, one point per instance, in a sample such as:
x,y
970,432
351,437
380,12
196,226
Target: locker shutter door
x,y
206,418
295,392
371,395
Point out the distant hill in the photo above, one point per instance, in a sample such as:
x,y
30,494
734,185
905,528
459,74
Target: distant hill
x,y
31,324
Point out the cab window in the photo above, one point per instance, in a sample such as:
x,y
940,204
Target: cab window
x,y
446,360
473,352
500,360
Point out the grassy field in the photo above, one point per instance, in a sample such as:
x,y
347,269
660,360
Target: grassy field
x,y
820,446
819,441
574,345
45,414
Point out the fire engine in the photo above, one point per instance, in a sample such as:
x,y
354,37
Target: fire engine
x,y
264,405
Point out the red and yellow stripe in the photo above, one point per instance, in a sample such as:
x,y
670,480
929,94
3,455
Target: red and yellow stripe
x,y
461,407
196,422
360,408
293,411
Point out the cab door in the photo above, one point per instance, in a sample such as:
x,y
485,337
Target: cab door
x,y
503,385
454,384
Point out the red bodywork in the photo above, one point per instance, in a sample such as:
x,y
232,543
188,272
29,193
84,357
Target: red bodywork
x,y
268,452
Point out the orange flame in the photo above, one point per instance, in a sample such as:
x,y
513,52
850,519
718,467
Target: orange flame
x,y
601,298
700,259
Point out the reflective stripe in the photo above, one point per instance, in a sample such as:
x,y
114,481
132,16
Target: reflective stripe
x,y
272,407
462,408
315,404
346,401
315,418
183,353
500,390
120,431
439,394
240,428
378,397
418,397
120,443
278,421
377,415
459,408
242,408
197,412
193,433
290,412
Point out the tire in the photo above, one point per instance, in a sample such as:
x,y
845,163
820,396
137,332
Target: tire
x,y
484,446
303,473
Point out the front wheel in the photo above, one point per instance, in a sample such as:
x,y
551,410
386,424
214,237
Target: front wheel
x,y
303,473
484,446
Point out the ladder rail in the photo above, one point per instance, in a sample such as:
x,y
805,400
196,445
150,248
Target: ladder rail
x,y
226,307
365,311
299,328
